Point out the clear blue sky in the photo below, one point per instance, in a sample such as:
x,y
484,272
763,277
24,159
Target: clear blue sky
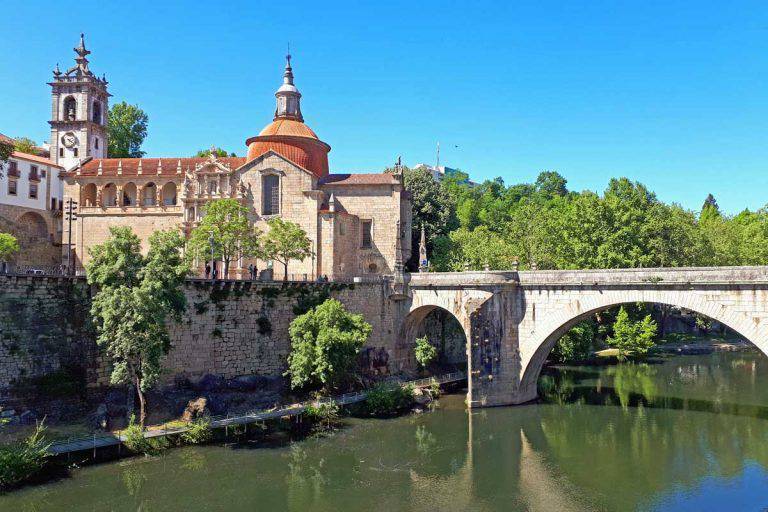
x,y
673,94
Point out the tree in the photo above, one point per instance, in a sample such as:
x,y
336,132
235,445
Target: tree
x,y
220,153
434,209
6,150
426,352
629,336
286,241
233,234
24,145
9,245
325,342
136,296
576,344
551,184
127,129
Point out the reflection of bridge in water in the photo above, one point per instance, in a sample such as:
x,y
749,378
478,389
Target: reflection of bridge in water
x,y
512,320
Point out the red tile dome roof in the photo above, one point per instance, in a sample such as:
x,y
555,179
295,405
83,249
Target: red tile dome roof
x,y
294,141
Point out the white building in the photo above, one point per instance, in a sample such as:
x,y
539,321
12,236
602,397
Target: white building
x,y
31,181
439,172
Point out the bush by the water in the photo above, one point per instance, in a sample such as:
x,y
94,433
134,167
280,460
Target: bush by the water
x,y
324,345
137,443
388,400
323,415
199,431
426,352
22,461
632,337
576,344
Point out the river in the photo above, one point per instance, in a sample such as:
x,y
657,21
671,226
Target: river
x,y
687,433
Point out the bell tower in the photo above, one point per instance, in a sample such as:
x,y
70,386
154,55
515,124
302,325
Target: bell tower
x,y
79,107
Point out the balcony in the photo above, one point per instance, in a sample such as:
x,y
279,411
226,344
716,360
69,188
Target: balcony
x,y
35,177
13,171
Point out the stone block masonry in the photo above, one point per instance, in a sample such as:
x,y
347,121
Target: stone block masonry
x,y
229,329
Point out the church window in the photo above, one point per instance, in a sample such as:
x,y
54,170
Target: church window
x,y
373,268
271,195
96,142
70,109
367,234
97,115
74,151
61,152
212,187
33,190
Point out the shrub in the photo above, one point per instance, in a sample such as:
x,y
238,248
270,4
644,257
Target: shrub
x,y
324,345
576,344
388,400
137,443
198,432
323,415
19,462
426,353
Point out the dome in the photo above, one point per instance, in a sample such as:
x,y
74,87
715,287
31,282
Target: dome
x,y
287,135
288,127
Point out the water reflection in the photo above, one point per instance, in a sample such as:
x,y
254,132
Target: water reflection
x,y
627,437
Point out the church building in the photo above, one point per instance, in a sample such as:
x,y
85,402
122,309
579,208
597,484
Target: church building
x,y
358,224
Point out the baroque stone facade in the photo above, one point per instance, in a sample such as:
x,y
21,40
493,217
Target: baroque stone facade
x,y
358,224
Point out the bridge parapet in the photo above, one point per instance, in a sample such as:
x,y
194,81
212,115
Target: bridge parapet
x,y
598,277
646,276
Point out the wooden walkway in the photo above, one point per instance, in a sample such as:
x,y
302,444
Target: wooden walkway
x,y
105,440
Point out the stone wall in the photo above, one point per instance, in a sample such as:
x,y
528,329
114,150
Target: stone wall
x,y
229,329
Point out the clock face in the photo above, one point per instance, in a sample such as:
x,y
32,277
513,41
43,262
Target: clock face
x,y
69,139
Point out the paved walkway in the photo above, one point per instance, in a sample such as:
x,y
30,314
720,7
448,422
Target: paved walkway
x,y
103,440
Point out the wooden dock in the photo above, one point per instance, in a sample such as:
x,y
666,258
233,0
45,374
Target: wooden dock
x,y
101,440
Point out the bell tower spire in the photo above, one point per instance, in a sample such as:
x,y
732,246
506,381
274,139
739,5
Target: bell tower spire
x,y
288,96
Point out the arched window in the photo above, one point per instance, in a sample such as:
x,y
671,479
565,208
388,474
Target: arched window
x,y
169,194
270,186
109,195
70,108
149,195
89,195
129,195
96,112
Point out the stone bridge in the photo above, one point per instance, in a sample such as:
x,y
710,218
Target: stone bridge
x,y
512,320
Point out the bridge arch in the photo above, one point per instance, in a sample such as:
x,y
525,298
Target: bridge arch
x,y
720,305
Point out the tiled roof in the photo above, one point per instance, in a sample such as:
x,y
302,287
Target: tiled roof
x,y
34,158
288,127
359,179
149,166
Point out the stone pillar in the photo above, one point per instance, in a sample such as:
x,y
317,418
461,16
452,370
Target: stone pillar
x,y
493,353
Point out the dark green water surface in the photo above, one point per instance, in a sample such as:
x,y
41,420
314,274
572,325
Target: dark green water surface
x,y
689,433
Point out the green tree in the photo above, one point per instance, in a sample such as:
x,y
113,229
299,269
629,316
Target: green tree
x,y
127,129
632,337
135,298
233,234
286,241
8,246
325,342
433,209
551,184
426,352
24,145
6,150
220,153
576,344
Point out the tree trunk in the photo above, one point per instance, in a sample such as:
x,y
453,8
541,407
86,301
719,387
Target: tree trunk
x,y
142,402
285,274
226,268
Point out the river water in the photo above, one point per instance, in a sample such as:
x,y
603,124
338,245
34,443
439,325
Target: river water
x,y
688,433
